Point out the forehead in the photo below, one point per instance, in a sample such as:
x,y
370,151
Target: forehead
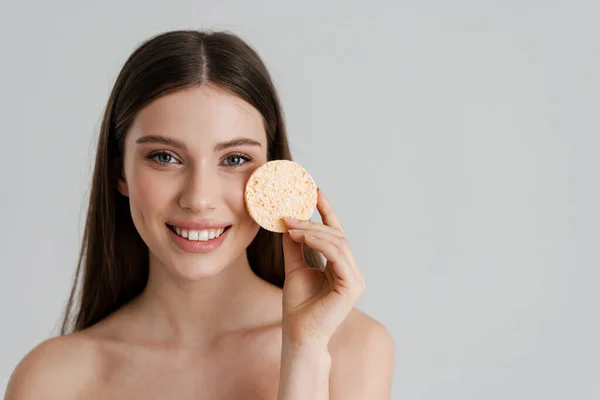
x,y
205,114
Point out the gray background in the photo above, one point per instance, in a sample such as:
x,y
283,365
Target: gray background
x,y
457,141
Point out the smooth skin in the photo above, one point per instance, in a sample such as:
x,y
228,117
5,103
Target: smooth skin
x,y
206,327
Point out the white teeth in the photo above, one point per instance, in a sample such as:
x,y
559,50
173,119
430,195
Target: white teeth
x,y
202,235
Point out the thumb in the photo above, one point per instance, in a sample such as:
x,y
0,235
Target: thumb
x,y
293,256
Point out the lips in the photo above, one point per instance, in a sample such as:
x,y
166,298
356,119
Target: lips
x,y
198,241
201,235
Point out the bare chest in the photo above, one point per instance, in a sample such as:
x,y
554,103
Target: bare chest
x,y
248,373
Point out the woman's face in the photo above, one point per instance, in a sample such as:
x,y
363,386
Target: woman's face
x,y
188,156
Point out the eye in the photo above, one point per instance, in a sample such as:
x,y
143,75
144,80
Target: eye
x,y
162,157
236,159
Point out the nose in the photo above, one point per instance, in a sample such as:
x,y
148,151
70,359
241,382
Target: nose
x,y
201,190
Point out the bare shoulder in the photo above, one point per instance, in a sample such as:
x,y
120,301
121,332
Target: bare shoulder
x,y
60,367
362,355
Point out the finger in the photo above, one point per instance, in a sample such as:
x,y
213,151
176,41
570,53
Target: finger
x,y
330,219
302,224
333,236
326,211
331,247
338,241
293,258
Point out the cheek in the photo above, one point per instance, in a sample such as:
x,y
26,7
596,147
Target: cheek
x,y
148,190
233,194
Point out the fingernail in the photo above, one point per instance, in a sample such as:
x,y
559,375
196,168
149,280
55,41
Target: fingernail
x,y
295,232
290,219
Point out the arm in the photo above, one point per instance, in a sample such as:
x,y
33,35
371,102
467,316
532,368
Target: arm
x,y
317,305
304,372
358,365
315,302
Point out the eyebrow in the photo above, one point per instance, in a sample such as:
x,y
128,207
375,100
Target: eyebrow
x,y
240,141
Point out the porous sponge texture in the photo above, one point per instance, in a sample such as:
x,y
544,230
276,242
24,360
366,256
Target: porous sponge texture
x,y
277,189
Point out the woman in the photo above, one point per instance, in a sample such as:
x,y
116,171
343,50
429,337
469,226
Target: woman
x,y
179,293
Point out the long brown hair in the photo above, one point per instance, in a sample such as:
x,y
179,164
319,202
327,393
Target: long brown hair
x,y
113,261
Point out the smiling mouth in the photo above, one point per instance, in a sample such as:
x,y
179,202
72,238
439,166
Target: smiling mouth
x,y
202,235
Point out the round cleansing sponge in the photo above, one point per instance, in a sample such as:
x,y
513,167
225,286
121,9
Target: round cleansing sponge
x,y
278,189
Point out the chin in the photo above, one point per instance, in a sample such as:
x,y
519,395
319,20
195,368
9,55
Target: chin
x,y
196,270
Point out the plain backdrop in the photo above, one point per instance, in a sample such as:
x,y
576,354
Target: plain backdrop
x,y
458,142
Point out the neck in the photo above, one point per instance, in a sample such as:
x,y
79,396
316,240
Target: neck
x,y
201,311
